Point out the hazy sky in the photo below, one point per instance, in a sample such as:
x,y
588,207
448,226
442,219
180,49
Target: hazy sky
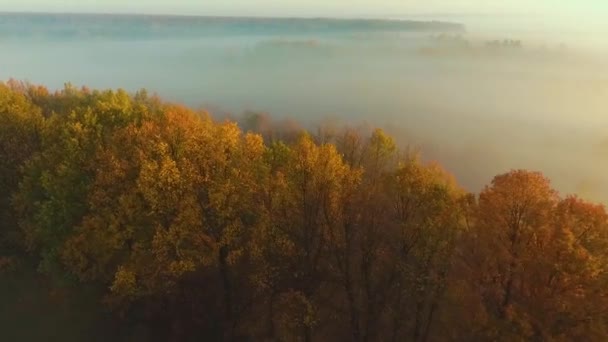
x,y
556,8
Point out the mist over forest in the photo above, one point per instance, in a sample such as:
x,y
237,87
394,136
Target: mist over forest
x,y
167,178
480,102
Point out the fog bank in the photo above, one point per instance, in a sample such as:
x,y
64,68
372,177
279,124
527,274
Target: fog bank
x,y
480,102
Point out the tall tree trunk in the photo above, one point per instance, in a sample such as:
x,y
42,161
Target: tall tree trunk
x,y
354,314
270,323
349,287
307,334
228,326
508,290
418,320
429,321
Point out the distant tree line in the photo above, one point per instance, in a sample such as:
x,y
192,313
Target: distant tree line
x,y
505,43
170,226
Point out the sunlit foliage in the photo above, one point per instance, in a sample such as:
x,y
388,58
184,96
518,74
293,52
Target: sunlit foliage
x,y
180,227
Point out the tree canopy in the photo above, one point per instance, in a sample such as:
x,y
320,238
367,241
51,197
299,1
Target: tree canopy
x,y
170,225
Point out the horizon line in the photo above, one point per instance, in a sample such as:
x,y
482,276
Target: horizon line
x,y
391,17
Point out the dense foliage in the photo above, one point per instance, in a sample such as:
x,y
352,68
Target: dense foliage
x,y
126,218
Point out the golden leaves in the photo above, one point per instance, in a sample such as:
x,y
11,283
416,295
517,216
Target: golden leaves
x,y
124,283
159,203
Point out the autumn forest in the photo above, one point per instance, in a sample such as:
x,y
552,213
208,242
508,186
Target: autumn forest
x,y
127,218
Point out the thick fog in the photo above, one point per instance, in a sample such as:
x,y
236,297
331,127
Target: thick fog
x,y
480,107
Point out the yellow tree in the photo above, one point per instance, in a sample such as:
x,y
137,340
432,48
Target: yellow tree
x,y
303,205
425,221
20,128
270,246
379,156
567,287
53,193
186,191
512,214
356,229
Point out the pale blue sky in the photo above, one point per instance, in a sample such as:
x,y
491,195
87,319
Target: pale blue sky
x,y
555,8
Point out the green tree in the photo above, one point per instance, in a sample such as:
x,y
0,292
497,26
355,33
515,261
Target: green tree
x,y
20,129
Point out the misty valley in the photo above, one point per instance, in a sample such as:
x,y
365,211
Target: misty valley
x,y
183,178
478,102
